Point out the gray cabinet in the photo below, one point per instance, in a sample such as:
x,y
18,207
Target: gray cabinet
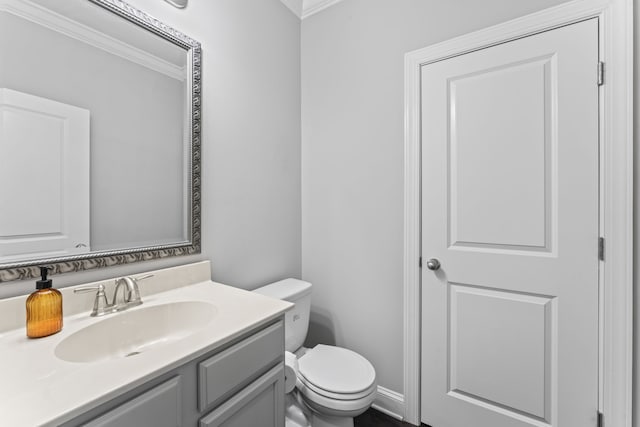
x,y
259,404
235,367
158,407
240,384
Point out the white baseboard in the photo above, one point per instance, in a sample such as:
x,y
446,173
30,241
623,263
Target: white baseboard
x,y
390,403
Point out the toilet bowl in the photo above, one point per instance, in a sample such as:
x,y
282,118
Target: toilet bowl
x,y
333,384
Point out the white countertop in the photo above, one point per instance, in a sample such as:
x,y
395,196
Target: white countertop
x,y
37,388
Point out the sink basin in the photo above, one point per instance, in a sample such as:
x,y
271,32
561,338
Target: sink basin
x,y
133,332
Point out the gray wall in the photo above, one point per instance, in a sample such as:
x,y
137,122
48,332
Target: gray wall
x,y
251,142
352,161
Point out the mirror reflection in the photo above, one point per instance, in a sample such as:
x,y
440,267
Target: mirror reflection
x,y
94,132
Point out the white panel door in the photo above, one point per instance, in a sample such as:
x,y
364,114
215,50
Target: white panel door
x,y
44,147
510,210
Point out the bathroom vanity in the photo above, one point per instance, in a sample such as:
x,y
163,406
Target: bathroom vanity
x,y
195,353
239,384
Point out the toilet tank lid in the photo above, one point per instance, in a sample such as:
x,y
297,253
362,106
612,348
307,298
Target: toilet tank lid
x,y
287,289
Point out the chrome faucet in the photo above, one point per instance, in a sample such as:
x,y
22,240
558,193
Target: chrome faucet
x,y
130,295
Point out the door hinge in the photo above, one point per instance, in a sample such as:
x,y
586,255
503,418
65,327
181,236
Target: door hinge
x,y
601,248
600,73
420,262
600,419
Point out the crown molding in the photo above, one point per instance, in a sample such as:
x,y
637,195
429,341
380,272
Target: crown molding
x,y
42,16
305,8
311,7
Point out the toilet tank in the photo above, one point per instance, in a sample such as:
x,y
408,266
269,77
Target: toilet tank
x,y
296,321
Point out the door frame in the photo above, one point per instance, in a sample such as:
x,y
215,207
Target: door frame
x,y
616,192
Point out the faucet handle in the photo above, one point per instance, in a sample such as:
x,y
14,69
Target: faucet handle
x,y
100,303
135,298
146,276
99,288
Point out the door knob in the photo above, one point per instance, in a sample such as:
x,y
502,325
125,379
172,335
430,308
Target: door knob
x,y
433,264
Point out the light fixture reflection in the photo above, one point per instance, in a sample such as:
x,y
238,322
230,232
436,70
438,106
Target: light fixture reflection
x,y
178,3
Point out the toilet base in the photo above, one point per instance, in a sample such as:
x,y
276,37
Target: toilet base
x,y
298,414
318,420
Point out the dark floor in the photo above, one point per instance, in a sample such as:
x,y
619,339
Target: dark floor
x,y
373,418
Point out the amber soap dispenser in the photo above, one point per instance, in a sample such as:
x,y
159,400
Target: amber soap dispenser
x,y
44,309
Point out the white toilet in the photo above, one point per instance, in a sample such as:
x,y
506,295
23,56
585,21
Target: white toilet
x,y
333,384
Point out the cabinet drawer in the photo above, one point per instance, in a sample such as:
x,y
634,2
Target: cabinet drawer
x,y
234,368
259,404
158,407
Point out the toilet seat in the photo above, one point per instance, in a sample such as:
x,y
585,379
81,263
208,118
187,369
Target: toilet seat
x,y
336,380
337,396
336,370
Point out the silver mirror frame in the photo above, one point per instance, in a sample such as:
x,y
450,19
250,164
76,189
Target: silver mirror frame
x,y
67,264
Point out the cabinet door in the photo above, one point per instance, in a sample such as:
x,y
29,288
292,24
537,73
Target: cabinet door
x,y
158,407
261,403
236,367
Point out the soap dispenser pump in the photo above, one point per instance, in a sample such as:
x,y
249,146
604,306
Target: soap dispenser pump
x,y
44,308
